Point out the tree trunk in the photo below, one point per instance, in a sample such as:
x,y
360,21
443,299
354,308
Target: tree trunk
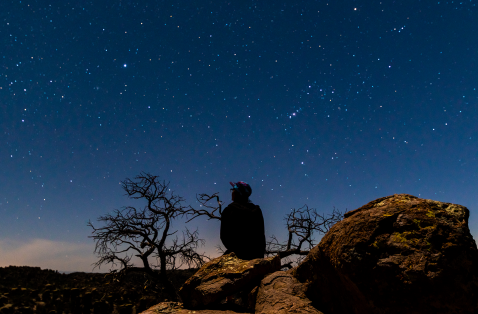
x,y
169,288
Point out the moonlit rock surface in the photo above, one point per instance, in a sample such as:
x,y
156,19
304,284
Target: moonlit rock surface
x,y
397,254
279,292
224,276
177,308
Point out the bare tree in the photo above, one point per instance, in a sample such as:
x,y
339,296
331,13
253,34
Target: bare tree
x,y
301,225
146,233
207,209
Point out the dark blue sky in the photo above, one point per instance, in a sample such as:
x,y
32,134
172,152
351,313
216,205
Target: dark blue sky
x,y
310,102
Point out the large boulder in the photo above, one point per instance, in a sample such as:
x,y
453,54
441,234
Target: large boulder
x,y
223,277
177,308
280,293
397,254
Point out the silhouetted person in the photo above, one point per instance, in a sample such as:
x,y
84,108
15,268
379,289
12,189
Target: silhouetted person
x,y
242,225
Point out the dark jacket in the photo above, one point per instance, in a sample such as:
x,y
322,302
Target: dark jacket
x,y
242,230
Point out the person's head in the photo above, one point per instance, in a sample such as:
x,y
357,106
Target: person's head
x,y
240,192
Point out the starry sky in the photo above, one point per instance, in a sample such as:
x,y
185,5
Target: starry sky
x,y
324,103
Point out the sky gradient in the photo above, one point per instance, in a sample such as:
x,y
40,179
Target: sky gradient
x,y
329,104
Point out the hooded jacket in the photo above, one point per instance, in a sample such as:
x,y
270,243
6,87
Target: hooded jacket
x,y
242,230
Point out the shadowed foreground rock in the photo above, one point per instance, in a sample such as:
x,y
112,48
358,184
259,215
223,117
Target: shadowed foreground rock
x,y
281,293
177,308
224,276
397,254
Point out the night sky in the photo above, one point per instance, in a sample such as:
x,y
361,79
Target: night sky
x,y
329,104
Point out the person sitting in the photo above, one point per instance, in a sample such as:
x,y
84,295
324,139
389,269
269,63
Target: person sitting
x,y
242,225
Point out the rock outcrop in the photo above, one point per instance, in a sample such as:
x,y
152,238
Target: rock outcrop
x,y
281,293
397,254
223,277
177,308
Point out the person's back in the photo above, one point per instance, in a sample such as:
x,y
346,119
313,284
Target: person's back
x,y
242,225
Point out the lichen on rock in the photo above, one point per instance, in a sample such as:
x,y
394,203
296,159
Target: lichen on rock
x,y
397,254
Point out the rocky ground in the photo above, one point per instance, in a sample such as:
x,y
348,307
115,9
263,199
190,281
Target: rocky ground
x,y
35,290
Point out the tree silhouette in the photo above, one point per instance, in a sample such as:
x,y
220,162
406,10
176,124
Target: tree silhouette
x,y
302,225
208,209
146,233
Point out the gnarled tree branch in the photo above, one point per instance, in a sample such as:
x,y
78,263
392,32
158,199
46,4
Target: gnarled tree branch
x,y
144,232
302,224
210,209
